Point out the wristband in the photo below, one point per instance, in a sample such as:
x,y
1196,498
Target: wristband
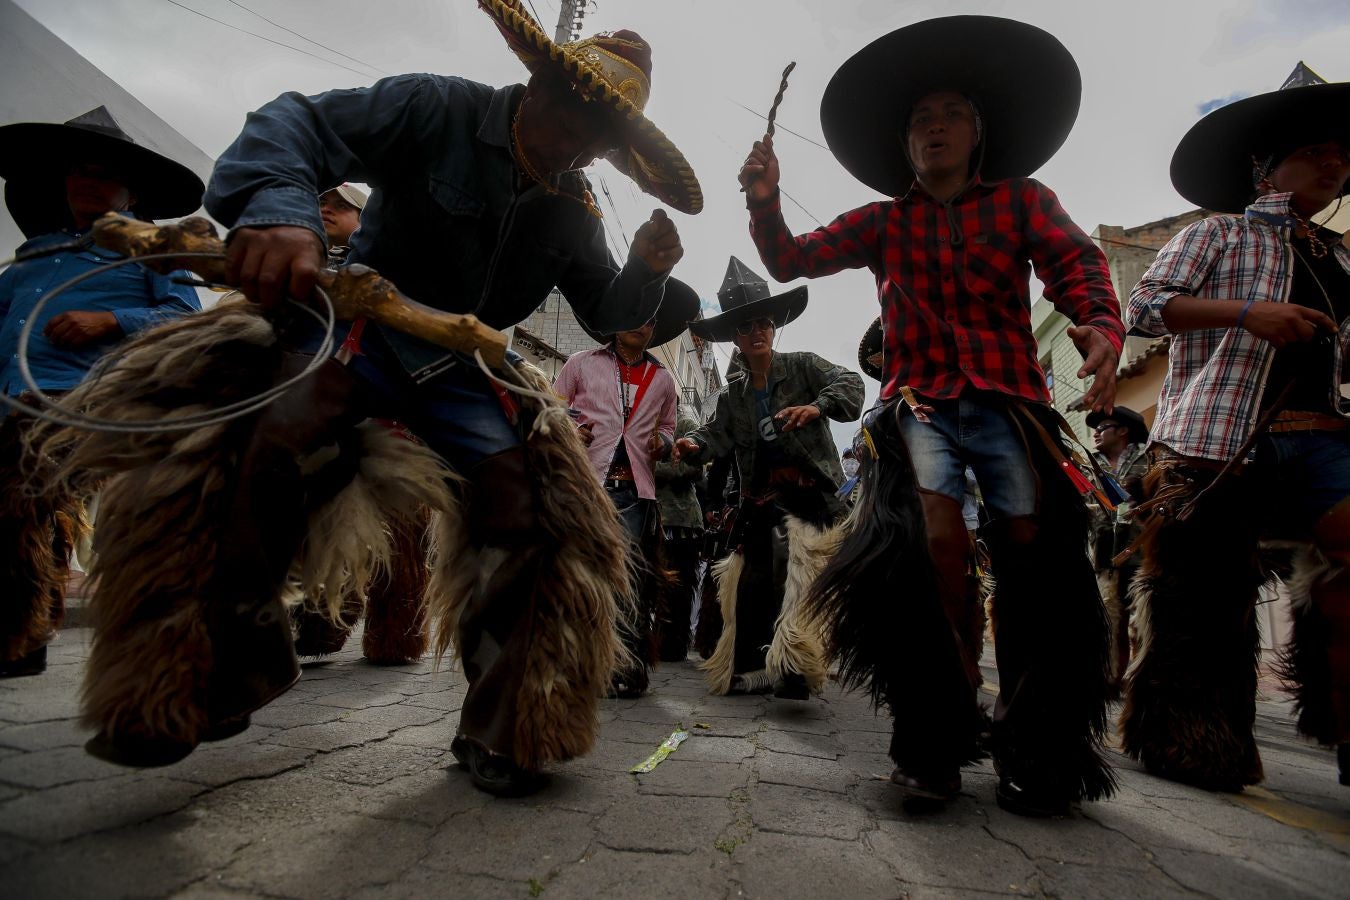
x,y
1242,315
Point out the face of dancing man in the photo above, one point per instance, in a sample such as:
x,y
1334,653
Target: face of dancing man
x,y
1315,174
630,344
558,130
941,136
94,188
755,339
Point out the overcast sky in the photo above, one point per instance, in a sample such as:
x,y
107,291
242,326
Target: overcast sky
x,y
1149,67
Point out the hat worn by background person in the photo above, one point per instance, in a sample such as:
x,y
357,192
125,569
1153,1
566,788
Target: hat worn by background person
x,y
615,70
744,296
35,158
350,193
679,305
1125,418
1219,160
1022,82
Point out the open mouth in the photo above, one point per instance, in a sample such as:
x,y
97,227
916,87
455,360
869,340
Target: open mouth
x,y
935,147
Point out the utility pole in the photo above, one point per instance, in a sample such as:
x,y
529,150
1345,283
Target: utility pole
x,y
570,15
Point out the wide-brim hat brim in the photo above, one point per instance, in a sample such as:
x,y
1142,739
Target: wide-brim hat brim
x,y
35,157
649,158
1125,416
1024,82
782,308
870,348
678,306
1212,166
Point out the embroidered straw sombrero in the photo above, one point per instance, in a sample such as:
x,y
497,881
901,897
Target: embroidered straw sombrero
x,y
871,350
614,69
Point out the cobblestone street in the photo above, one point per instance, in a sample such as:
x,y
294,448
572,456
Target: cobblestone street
x,y
345,788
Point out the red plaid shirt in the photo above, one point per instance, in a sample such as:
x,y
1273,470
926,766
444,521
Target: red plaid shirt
x,y
954,281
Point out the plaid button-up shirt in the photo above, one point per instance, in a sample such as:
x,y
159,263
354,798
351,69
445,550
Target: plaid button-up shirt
x,y
1211,396
953,280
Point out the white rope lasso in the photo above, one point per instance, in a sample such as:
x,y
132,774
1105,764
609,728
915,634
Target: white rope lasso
x,y
52,411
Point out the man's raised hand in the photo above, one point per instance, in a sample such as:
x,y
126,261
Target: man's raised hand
x,y
657,243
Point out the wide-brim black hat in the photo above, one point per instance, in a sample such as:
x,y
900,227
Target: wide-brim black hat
x,y
679,305
1023,81
744,295
1125,416
36,156
1213,165
871,349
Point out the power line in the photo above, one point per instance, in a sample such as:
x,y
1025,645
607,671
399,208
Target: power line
x,y
532,9
780,125
270,40
310,40
604,187
814,218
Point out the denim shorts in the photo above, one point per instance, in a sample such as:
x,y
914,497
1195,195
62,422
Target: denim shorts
x,y
978,432
1302,475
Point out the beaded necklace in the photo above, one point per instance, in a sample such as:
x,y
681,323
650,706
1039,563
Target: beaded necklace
x,y
527,168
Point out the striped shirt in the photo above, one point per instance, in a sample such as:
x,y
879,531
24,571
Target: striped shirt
x,y
953,280
1211,396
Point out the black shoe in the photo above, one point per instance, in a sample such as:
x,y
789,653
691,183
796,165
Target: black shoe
x,y
1021,799
32,663
137,753
629,684
495,774
792,686
757,682
924,787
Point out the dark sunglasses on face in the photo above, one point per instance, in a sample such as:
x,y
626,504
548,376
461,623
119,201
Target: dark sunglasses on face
x,y
750,327
1105,426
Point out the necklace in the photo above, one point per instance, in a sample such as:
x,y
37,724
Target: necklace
x,y
1315,244
587,199
623,372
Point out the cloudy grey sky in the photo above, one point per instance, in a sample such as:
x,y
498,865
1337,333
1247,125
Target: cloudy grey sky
x,y
1148,67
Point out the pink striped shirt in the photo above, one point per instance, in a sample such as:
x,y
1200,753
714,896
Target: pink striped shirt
x,y
590,383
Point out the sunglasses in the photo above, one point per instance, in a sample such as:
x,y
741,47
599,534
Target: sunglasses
x,y
761,324
1105,426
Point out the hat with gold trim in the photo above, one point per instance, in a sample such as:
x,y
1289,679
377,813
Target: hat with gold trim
x,y
614,69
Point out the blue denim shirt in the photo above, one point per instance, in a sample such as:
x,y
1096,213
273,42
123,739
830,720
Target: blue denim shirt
x,y
445,221
137,297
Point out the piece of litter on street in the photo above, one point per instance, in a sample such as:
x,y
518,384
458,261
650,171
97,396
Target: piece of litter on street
x,y
667,747
704,725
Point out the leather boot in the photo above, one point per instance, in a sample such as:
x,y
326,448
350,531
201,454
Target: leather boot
x,y
493,638
949,544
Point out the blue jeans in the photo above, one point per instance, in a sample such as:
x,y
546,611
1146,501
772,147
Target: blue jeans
x,y
972,431
456,413
1303,475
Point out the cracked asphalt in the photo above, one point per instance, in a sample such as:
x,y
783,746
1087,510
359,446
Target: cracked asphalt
x,y
344,787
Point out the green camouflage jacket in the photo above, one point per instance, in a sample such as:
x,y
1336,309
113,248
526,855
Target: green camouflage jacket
x,y
676,486
796,379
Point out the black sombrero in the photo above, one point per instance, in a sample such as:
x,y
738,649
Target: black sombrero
x,y
614,69
1213,166
679,305
744,296
35,157
871,349
1125,416
1023,81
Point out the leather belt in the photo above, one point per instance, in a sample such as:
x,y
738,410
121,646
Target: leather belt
x,y
1293,420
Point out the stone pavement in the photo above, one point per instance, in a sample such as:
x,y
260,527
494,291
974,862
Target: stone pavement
x,y
344,787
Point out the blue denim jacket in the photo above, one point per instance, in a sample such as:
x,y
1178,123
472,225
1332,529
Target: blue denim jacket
x,y
137,297
444,221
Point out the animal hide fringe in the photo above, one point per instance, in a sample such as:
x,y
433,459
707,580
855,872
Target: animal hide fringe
x,y
1189,692
721,666
797,644
877,602
585,587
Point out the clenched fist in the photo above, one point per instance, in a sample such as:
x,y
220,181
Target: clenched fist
x,y
657,243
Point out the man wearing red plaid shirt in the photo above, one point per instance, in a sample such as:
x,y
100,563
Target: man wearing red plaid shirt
x,y
952,254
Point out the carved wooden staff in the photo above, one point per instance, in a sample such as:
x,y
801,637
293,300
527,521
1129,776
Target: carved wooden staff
x,y
354,290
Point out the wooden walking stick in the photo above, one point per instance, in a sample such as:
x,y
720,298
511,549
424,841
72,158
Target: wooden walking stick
x,y
354,290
